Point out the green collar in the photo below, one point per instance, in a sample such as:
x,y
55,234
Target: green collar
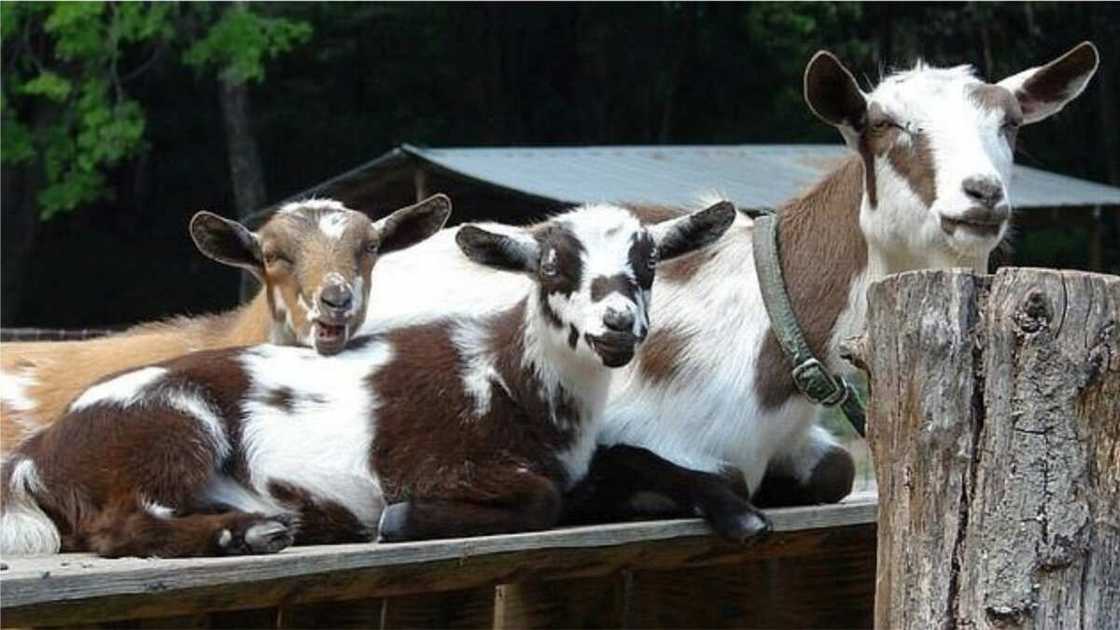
x,y
810,375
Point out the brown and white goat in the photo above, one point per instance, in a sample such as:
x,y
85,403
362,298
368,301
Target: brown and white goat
x,y
313,259
464,426
928,186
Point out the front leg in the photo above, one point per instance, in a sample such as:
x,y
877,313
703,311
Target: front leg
x,y
522,502
817,470
619,473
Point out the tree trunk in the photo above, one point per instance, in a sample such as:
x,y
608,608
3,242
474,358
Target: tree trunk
x,y
995,427
246,174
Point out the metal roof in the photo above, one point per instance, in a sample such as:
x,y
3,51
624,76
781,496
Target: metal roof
x,y
749,175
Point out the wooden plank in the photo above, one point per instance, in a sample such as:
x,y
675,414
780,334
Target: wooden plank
x,y
591,602
358,613
64,588
833,587
453,610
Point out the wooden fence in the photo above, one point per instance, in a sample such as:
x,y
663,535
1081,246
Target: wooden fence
x,y
816,569
994,421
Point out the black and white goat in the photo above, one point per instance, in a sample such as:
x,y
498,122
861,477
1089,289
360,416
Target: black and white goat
x,y
462,426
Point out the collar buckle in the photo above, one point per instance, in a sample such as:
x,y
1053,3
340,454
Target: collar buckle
x,y
819,384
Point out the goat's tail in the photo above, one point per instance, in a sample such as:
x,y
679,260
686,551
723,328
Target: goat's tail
x,y
25,529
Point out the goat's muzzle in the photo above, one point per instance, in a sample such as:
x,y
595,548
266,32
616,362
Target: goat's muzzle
x,y
615,349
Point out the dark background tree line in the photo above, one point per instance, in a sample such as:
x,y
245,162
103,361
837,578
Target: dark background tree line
x,y
121,120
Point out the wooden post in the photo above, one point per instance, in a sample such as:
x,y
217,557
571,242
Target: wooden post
x,y
994,422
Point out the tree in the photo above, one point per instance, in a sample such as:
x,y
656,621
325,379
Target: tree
x,y
67,114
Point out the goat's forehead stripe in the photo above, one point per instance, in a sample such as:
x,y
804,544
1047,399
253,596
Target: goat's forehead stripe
x,y
297,207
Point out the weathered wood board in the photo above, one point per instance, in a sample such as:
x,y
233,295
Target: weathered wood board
x,y
74,588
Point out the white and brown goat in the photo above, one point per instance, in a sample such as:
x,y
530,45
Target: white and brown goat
x,y
313,259
928,186
463,426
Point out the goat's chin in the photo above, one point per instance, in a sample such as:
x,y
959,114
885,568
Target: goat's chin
x,y
329,340
614,350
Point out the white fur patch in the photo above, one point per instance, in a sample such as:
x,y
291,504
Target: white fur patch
x,y
334,224
25,529
13,390
225,490
123,390
157,510
479,375
322,443
197,408
296,207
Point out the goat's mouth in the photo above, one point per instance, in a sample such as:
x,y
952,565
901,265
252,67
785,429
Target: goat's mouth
x,y
973,226
329,338
615,349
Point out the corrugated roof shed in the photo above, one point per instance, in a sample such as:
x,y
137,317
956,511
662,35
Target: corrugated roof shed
x,y
749,175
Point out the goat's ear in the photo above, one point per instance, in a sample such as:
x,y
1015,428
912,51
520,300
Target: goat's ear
x,y
691,232
1045,90
834,96
501,251
410,225
227,242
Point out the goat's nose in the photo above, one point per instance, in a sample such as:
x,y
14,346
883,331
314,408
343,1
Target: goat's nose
x,y
619,321
984,190
336,297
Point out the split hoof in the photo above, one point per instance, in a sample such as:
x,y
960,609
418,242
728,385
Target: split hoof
x,y
257,537
741,527
393,526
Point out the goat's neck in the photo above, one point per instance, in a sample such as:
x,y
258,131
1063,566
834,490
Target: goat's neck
x,y
528,343
825,258
828,263
249,324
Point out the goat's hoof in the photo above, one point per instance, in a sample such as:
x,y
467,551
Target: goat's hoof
x,y
393,524
258,536
268,537
742,527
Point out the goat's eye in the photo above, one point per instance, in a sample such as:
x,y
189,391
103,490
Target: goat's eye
x,y
1010,126
371,247
652,262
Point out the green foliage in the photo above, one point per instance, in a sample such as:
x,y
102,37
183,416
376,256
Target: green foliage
x,y
66,67
240,41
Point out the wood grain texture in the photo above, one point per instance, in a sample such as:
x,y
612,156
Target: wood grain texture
x,y
62,589
995,427
590,602
832,587
465,609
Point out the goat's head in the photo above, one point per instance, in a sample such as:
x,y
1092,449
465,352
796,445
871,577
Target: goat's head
x,y
937,147
594,269
314,259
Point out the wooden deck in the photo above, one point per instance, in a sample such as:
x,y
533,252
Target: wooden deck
x,y
816,569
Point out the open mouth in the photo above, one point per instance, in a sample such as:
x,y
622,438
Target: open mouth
x,y
985,229
329,338
616,350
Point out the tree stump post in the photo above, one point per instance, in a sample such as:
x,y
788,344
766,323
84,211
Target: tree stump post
x,y
994,422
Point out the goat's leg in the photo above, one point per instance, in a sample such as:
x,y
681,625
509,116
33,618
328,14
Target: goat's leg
x,y
619,473
525,502
131,530
817,470
323,521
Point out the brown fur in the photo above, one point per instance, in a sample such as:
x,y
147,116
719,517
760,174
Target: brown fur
x,y
64,369
660,356
462,456
292,257
822,250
